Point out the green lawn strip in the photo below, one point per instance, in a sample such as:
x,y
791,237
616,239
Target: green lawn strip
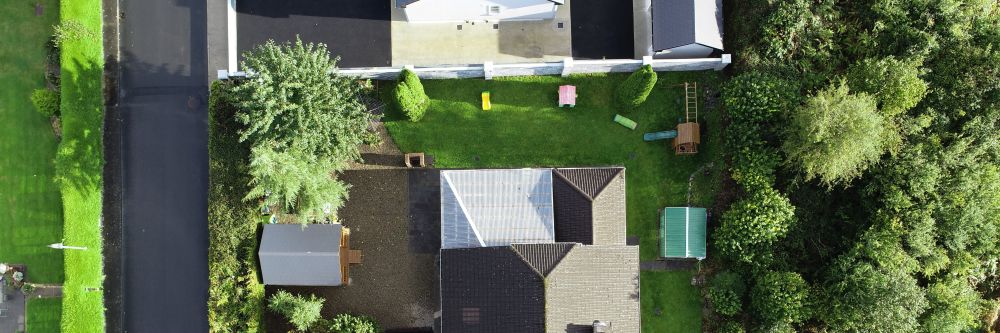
x,y
526,129
671,295
43,315
236,296
80,164
32,214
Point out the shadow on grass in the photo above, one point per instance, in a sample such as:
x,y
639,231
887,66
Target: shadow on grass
x,y
79,160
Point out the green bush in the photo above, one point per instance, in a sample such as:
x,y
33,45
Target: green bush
x,y
837,135
895,84
753,101
731,326
752,225
634,90
726,292
410,96
754,166
300,311
347,323
46,102
780,297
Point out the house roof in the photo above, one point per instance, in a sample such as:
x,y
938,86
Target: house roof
x,y
496,207
293,255
684,22
589,205
683,232
554,287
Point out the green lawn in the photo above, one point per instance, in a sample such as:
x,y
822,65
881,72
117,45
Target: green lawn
x,y
79,165
43,315
525,129
679,303
32,214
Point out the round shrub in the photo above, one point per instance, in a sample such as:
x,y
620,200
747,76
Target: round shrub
x,y
752,225
780,297
46,102
726,291
636,88
410,96
346,323
731,327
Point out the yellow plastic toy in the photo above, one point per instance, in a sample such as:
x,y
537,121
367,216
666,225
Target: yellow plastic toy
x,y
486,101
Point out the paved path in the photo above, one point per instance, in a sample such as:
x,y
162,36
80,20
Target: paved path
x,y
48,291
162,97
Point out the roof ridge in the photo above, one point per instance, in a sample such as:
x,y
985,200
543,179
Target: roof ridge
x,y
564,251
600,189
573,185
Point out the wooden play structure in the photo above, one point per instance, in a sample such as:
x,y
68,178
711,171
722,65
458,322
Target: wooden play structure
x,y
688,132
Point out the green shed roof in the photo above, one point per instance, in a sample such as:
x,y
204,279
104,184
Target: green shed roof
x,y
682,232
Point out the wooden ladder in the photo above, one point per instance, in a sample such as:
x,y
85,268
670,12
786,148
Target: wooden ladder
x,y
691,102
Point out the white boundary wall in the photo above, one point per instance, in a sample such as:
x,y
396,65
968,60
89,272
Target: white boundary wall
x,y
566,67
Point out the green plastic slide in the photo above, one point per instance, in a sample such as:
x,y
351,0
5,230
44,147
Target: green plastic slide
x,y
625,122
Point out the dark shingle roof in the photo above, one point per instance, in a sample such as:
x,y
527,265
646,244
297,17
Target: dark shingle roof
x,y
589,181
589,205
490,289
500,289
543,257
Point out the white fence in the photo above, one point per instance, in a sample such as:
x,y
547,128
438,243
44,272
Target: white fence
x,y
566,67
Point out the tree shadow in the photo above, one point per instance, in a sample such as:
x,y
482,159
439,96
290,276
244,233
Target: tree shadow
x,y
79,160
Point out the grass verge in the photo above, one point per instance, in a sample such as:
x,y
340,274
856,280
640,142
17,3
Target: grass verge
x,y
236,296
43,315
526,129
79,163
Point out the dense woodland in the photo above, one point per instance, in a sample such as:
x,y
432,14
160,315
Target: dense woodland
x,y
865,144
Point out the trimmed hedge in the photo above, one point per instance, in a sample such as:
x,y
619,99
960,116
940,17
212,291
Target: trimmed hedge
x,y
46,102
410,96
634,90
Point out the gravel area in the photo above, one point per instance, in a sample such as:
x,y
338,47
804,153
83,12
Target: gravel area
x,y
397,282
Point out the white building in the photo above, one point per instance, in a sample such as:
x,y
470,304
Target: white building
x,y
478,10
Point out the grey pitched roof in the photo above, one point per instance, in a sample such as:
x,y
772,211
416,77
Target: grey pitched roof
x,y
589,205
682,22
295,256
490,289
501,289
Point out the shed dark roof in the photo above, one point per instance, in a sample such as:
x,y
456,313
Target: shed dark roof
x,y
683,22
589,205
502,289
291,255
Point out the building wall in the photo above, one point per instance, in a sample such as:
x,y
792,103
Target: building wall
x,y
689,51
477,10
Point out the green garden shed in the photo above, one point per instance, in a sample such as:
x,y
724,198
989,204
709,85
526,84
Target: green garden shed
x,y
683,232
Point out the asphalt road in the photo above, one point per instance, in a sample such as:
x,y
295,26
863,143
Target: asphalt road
x,y
162,97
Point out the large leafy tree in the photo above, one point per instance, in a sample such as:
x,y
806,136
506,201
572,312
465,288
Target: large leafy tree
x,y
303,122
894,83
836,135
